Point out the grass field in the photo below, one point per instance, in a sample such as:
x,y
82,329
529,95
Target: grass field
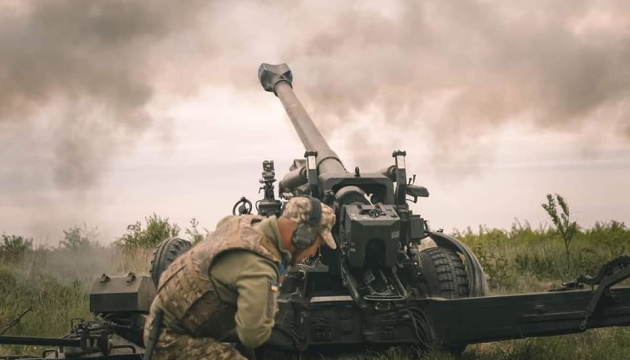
x,y
55,283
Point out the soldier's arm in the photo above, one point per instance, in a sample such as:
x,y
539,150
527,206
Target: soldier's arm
x,y
256,299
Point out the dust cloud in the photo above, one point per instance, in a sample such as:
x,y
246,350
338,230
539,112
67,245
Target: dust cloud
x,y
78,78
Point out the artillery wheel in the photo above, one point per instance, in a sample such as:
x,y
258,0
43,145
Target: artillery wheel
x,y
445,276
444,273
166,252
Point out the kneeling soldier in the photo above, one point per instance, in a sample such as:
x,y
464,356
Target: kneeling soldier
x,y
228,282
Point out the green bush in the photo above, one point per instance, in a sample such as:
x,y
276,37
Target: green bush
x,y
155,230
567,228
78,238
194,233
495,265
13,247
612,237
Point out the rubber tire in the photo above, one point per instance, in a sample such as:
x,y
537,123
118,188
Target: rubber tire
x,y
445,276
444,273
166,252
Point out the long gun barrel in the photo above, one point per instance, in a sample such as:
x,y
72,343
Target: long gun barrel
x,y
278,79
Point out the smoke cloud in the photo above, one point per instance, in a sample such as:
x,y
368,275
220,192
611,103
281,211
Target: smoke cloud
x,y
78,78
458,69
87,71
449,70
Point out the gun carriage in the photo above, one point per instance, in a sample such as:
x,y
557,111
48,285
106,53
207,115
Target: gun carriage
x,y
382,286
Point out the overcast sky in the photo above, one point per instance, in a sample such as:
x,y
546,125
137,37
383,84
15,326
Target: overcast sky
x,y
111,111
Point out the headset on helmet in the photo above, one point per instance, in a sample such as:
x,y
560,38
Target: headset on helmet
x,y
306,232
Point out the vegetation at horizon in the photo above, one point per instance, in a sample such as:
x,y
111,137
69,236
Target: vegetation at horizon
x,y
55,282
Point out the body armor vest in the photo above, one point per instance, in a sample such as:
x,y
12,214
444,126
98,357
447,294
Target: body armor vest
x,y
186,289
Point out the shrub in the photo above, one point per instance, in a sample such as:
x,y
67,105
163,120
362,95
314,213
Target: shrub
x,y
78,239
567,228
13,247
495,265
156,230
194,233
613,236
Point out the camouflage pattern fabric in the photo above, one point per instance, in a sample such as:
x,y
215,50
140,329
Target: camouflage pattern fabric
x,y
186,290
195,317
298,209
171,346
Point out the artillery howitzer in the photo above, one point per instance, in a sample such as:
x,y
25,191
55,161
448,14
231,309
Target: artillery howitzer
x,y
381,287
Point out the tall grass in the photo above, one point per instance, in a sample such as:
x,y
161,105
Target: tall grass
x,y
521,258
55,283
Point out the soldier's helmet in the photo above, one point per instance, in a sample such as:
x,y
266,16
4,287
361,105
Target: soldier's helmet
x,y
298,209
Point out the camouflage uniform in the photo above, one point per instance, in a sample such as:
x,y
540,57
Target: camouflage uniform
x,y
226,285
